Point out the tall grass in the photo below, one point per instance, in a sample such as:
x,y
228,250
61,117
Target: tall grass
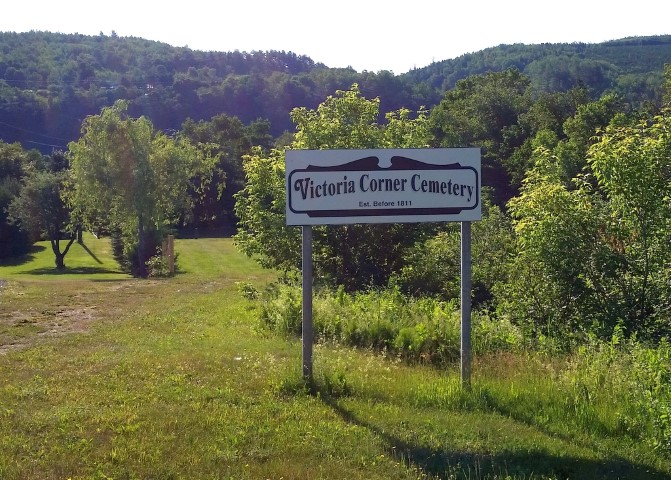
x,y
617,388
415,329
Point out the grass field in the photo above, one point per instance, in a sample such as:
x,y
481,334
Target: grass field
x,y
105,376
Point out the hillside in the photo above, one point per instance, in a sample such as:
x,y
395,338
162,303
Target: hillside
x,y
631,67
49,82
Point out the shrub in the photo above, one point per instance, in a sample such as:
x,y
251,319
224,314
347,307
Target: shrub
x,y
157,266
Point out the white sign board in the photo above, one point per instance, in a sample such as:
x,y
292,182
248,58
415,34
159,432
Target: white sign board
x,y
332,187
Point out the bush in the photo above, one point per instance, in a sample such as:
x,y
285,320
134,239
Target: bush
x,y
158,266
433,267
125,251
281,309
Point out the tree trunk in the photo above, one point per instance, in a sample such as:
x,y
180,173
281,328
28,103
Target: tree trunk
x,y
141,245
60,256
60,261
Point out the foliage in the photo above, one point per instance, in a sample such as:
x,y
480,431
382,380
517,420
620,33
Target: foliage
x,y
667,85
132,180
502,114
593,252
433,266
157,266
229,139
348,255
484,111
631,66
417,330
632,168
50,81
15,164
40,210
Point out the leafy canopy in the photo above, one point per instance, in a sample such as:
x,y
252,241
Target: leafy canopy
x,y
349,255
593,251
40,210
127,177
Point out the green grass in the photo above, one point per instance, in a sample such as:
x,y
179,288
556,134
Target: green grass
x,y
92,257
172,378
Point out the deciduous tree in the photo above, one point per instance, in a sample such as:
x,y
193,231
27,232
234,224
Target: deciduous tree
x,y
354,256
593,251
15,164
131,179
40,210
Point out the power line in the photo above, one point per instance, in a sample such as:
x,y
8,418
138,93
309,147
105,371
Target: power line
x,y
33,132
46,144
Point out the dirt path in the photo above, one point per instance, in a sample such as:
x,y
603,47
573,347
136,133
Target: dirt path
x,y
30,312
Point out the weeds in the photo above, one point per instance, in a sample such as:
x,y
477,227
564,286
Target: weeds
x,y
615,388
420,330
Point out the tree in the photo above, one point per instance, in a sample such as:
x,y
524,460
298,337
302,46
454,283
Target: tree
x,y
432,267
40,211
133,181
230,139
15,164
632,167
557,273
354,256
592,251
484,111
667,85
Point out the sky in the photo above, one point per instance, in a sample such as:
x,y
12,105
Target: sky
x,y
368,35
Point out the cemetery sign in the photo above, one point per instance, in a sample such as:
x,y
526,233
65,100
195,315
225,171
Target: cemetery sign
x,y
331,187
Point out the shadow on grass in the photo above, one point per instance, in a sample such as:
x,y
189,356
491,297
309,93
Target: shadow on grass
x,y
620,468
93,255
439,463
23,259
70,271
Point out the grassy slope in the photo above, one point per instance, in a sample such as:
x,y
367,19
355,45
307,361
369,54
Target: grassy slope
x,y
171,379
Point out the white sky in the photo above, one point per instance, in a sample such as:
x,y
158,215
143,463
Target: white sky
x,y
364,34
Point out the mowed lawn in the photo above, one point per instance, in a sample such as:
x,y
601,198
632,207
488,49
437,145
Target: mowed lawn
x,y
105,376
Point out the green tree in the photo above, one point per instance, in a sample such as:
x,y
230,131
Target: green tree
x,y
484,111
632,166
40,210
130,179
592,251
555,275
351,255
544,119
432,267
230,139
667,85
15,164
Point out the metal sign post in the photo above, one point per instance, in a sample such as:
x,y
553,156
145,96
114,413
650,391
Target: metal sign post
x,y
466,304
308,335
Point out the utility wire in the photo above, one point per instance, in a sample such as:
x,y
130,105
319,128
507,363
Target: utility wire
x,y
33,132
45,144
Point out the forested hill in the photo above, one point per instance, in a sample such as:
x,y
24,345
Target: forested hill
x,y
632,67
49,82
